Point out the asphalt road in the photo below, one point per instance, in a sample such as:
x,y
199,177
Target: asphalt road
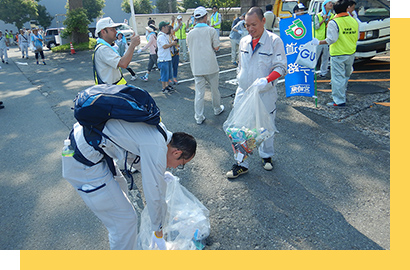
x,y
330,188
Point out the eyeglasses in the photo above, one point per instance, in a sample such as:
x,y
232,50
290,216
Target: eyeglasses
x,y
181,166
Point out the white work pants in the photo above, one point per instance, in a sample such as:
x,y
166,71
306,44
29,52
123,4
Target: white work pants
x,y
342,68
183,49
324,50
24,49
3,52
200,82
234,50
109,203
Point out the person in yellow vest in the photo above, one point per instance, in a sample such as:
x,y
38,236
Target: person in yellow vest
x,y
216,20
342,35
180,34
321,21
107,60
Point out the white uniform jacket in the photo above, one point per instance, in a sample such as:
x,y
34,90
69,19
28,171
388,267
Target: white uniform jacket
x,y
138,139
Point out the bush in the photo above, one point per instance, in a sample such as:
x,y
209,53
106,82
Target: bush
x,y
226,25
90,45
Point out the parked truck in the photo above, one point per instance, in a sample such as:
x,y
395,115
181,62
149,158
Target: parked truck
x,y
374,26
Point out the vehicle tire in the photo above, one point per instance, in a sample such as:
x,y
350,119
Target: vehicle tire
x,y
51,44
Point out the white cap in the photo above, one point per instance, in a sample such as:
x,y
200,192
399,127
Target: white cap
x,y
301,6
67,142
104,23
199,12
179,17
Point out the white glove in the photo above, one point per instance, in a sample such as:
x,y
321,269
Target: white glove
x,y
315,41
159,242
261,82
139,51
168,177
240,32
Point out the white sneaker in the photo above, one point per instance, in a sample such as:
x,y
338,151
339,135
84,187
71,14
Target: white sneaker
x,y
133,78
199,122
222,108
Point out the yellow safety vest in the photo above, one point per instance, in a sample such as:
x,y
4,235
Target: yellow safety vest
x,y
320,33
214,21
348,35
97,78
181,33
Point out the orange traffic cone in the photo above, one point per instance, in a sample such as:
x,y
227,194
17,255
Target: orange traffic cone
x,y
72,48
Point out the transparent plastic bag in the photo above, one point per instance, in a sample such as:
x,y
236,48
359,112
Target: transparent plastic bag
x,y
187,221
307,55
248,124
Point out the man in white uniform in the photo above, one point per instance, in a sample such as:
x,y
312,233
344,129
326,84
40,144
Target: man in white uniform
x,y
3,48
203,41
262,60
23,43
106,195
107,59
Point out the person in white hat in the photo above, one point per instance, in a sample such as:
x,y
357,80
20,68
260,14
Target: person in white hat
x,y
203,41
106,60
180,33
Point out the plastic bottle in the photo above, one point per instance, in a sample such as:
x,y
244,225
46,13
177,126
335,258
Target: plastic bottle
x,y
68,150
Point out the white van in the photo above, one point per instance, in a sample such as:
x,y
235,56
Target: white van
x,y
374,25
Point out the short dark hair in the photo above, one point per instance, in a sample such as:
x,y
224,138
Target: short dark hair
x,y
215,7
256,10
269,7
341,6
351,3
184,142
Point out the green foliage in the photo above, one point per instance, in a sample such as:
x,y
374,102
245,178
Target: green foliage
x,y
195,3
18,12
44,18
76,21
93,8
227,4
140,6
226,25
164,7
90,45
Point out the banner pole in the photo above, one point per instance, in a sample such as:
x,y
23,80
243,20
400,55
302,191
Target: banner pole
x,y
314,35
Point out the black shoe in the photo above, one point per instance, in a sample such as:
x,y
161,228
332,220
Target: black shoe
x,y
267,164
1,107
2,60
236,171
170,88
1,102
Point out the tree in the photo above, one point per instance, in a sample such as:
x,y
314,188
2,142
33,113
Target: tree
x,y
194,3
140,6
18,12
167,6
227,4
77,21
94,8
44,18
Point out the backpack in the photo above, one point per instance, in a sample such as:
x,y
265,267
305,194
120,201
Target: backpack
x,y
94,106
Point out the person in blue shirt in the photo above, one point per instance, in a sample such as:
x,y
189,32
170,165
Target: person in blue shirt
x,y
37,41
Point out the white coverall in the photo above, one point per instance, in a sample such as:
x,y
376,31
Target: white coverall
x,y
269,56
3,49
23,43
110,203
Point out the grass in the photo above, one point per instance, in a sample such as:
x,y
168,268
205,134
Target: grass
x,y
77,47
